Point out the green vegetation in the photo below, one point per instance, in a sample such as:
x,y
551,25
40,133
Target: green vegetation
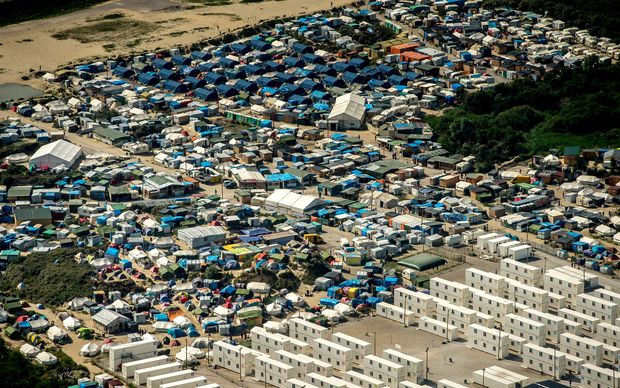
x,y
368,35
16,11
20,175
210,3
51,278
18,371
27,147
569,107
110,16
107,30
601,18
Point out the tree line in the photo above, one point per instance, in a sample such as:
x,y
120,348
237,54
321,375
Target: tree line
x,y
578,106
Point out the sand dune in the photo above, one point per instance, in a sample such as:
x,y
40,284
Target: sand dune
x,y
30,46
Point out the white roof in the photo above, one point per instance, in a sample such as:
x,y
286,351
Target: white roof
x,y
288,199
350,105
61,149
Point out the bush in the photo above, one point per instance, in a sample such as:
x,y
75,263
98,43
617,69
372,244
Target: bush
x,y
51,278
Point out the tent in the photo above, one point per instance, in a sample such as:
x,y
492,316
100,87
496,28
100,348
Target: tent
x,y
295,299
175,332
202,343
45,358
29,351
185,358
56,334
71,323
259,287
89,350
274,309
182,322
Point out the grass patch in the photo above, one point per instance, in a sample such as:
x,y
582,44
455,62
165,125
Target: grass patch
x,y
232,16
110,16
105,31
177,33
211,3
109,47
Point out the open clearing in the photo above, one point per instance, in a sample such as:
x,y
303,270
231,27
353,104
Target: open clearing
x,y
107,31
122,27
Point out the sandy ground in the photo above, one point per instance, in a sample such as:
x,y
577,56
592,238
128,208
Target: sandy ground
x,y
30,45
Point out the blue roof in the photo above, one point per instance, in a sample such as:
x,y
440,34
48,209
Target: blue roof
x,y
280,177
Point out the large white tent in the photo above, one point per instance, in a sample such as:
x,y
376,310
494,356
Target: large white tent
x,y
288,202
349,110
57,153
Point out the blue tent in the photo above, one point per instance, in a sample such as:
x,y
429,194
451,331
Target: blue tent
x,y
195,82
342,67
285,77
312,58
334,82
123,72
207,66
149,79
254,69
200,55
293,62
188,71
214,78
309,85
175,332
240,48
246,86
358,62
327,70
228,63
260,45
167,74
226,91
175,87
267,82
162,64
353,78
180,60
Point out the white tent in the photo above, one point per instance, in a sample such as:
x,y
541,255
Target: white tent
x,y
605,230
29,351
222,312
186,358
295,299
192,351
89,350
259,287
274,309
56,153
349,111
589,180
343,309
331,315
162,327
182,322
617,238
276,327
45,358
56,334
201,343
71,323
551,160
